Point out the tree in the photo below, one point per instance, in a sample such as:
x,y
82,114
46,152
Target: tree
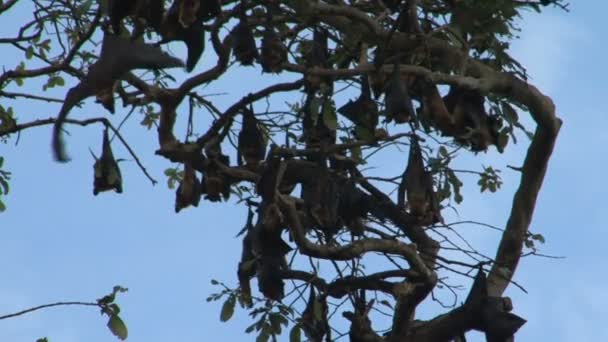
x,y
373,77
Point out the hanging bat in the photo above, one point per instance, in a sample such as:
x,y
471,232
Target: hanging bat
x,y
214,184
433,108
377,77
247,266
473,126
191,11
363,112
318,56
274,53
149,10
107,173
118,57
251,145
314,317
491,314
243,43
180,26
189,190
397,99
354,207
414,182
270,249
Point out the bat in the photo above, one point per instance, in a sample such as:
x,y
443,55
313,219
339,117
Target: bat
x,y
243,43
489,313
179,25
189,190
270,250
191,11
274,53
363,112
251,143
414,183
314,317
118,57
316,131
397,99
214,184
247,266
472,124
149,10
318,56
353,207
106,171
433,108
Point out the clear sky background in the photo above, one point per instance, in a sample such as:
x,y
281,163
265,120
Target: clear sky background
x,y
59,242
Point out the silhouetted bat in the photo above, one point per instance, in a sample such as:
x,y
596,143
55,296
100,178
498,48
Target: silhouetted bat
x,y
363,112
317,56
433,108
251,144
107,173
191,11
472,125
414,182
118,56
149,10
180,24
490,314
274,53
354,207
316,132
270,249
243,43
397,99
314,317
189,190
214,184
247,266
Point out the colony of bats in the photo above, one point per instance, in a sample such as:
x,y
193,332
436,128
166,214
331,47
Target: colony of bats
x,y
331,200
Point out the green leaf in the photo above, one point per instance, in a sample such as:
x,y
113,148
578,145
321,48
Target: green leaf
x,y
214,282
538,237
44,339
118,327
263,336
228,309
295,335
329,115
363,133
275,322
2,206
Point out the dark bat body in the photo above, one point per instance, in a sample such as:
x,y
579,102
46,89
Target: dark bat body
x,y
318,56
183,25
274,53
251,144
107,174
149,10
397,99
314,317
472,124
363,112
118,56
243,43
414,182
189,191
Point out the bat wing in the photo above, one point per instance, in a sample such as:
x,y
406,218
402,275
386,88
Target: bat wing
x,y
120,55
120,9
73,97
195,42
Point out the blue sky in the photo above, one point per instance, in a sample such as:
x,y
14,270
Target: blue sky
x,y
61,243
